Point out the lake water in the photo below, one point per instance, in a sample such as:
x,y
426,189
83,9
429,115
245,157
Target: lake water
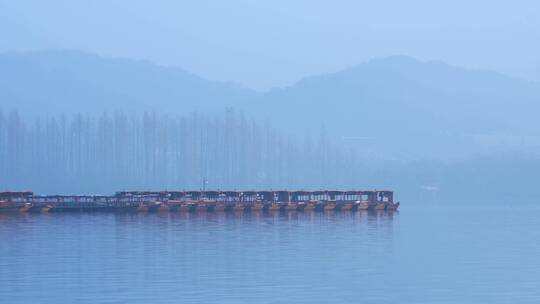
x,y
452,252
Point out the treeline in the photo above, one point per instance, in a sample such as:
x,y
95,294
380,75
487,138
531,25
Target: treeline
x,y
117,151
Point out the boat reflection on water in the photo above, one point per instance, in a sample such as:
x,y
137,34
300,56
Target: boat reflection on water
x,y
267,216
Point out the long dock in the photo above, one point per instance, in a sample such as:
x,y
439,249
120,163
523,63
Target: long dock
x,y
204,201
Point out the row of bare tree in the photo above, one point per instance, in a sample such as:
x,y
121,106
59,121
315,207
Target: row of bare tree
x,y
119,151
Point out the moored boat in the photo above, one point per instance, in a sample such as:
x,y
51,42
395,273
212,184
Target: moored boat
x,y
202,201
219,207
392,206
45,209
6,206
239,207
39,208
330,206
346,207
162,207
363,205
309,206
258,206
142,208
291,206
185,207
380,206
201,207
274,207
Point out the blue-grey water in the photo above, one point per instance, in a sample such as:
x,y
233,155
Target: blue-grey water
x,y
453,252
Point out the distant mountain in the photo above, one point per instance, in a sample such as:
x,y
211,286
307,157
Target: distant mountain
x,y
388,108
399,106
71,81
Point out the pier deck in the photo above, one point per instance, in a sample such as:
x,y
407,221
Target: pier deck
x,y
203,201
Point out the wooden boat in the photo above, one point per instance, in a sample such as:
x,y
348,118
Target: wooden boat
x,y
292,206
380,206
162,207
142,208
45,209
239,207
258,206
301,206
174,206
39,209
308,207
346,207
25,207
201,207
329,206
184,207
363,205
6,206
201,201
153,206
392,206
274,207
219,207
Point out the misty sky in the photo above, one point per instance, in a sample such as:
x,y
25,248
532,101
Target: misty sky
x,y
262,44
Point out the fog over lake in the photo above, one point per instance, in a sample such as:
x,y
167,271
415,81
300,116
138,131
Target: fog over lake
x,y
269,151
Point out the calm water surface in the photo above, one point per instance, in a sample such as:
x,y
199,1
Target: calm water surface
x,y
426,253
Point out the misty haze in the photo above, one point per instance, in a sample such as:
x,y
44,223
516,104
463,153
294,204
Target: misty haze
x,y
400,122
257,152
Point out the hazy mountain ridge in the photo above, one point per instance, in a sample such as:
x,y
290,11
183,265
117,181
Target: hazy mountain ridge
x,y
394,107
401,86
403,104
72,81
415,125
